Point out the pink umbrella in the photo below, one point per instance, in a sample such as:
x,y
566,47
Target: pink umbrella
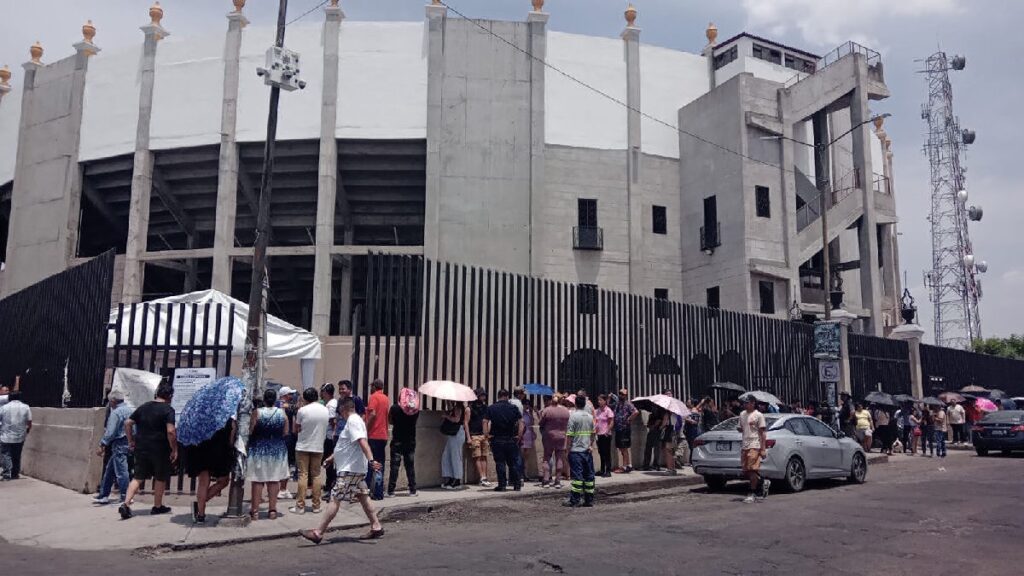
x,y
985,405
673,405
448,390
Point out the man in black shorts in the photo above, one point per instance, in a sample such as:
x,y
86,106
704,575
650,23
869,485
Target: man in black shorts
x,y
625,413
151,435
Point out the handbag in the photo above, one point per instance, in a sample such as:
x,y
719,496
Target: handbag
x,y
449,428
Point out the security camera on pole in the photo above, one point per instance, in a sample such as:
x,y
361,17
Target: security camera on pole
x,y
282,71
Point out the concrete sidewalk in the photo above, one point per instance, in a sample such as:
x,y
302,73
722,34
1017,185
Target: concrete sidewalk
x,y
36,513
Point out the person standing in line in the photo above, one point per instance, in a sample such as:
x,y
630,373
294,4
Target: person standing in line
x,y
287,403
957,417
708,414
345,391
927,432
455,428
971,415
210,463
5,392
331,403
863,426
753,430
477,440
353,458
625,413
668,441
527,450
15,425
604,424
377,430
116,442
915,430
847,420
518,397
579,442
268,453
311,423
554,421
652,446
503,426
940,431
881,422
152,436
404,415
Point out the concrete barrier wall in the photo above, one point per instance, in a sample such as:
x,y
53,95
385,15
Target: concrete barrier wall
x,y
61,449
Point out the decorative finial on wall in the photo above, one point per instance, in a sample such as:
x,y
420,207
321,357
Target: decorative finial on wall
x,y
631,13
156,14
711,33
36,51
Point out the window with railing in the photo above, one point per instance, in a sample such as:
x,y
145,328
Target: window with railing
x,y
710,237
587,235
661,305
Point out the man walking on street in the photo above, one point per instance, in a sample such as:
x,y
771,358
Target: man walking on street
x,y
579,441
477,440
503,426
152,436
753,429
114,440
352,458
625,413
311,422
15,425
377,430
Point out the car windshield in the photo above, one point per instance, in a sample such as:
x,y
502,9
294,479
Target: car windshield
x,y
734,422
1004,417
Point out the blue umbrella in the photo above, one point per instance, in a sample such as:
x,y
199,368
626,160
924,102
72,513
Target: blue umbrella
x,y
539,389
209,410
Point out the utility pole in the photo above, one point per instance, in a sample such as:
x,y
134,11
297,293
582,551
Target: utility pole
x,y
253,337
826,259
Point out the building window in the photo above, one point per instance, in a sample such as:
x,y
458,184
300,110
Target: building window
x,y
661,306
587,235
763,201
770,54
709,232
659,220
800,64
586,299
713,297
726,57
766,288
586,210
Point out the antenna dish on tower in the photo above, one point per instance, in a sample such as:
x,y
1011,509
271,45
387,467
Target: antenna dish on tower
x,y
958,63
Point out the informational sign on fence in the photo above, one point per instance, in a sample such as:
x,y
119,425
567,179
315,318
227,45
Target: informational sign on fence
x,y
187,381
828,371
138,386
826,340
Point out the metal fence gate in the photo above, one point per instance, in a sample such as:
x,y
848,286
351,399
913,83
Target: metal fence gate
x,y
878,364
949,369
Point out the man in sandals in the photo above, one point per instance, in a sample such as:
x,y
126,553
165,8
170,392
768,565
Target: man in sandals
x,y
351,457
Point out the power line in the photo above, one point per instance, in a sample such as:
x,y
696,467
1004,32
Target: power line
x,y
306,13
609,96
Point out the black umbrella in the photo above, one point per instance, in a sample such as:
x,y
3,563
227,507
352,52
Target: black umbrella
x,y
932,401
728,386
901,398
879,397
995,394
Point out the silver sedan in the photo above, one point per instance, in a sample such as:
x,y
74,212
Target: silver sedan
x,y
800,448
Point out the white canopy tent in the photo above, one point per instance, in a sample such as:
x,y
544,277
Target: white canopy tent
x,y
283,340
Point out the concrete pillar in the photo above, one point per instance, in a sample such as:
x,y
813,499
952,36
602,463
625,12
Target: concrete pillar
x,y
911,334
538,47
27,88
327,180
83,50
345,295
436,18
844,319
142,169
709,54
788,210
227,166
870,281
631,40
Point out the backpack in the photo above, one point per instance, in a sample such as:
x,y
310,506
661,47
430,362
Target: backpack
x,y
409,401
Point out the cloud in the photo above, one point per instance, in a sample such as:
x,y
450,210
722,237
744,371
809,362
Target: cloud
x,y
832,22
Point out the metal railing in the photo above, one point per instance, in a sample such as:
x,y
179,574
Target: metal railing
x,y
710,237
811,211
882,184
588,238
874,60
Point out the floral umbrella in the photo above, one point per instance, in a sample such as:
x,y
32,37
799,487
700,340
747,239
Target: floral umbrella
x,y
209,410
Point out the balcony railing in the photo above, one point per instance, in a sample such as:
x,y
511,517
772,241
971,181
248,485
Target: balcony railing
x,y
811,211
587,238
710,237
882,184
874,61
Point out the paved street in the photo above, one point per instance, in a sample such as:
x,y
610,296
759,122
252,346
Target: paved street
x,y
916,515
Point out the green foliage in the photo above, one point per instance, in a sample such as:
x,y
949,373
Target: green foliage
x,y
1012,347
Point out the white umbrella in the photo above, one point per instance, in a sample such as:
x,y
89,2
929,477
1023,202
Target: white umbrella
x,y
448,390
673,405
762,396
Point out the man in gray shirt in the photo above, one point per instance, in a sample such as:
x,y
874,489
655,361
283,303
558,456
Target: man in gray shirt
x,y
579,439
15,424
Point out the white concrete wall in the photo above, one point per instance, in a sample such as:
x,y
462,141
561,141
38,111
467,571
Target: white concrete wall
x,y
110,110
188,70
660,256
10,117
669,80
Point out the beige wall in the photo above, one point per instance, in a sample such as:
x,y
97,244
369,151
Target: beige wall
x,y
61,449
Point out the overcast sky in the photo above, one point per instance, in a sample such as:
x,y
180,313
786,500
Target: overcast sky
x,y
986,93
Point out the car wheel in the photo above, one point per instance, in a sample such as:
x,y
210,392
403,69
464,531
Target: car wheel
x,y
859,469
796,474
715,483
981,451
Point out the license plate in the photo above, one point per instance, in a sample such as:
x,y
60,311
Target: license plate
x,y
998,433
723,446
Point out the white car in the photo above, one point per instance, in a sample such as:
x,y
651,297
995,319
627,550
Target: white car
x,y
800,448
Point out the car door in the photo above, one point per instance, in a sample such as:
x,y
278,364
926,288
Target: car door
x,y
826,445
805,443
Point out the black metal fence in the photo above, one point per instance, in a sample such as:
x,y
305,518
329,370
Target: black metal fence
x,y
58,326
949,369
427,320
878,364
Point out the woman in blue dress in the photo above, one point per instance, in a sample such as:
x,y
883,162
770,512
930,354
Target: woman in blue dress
x,y
268,453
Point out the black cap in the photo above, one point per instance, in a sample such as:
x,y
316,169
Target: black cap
x,y
481,392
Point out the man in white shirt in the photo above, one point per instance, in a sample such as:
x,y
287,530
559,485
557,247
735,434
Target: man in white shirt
x,y
352,457
311,424
753,430
957,417
15,424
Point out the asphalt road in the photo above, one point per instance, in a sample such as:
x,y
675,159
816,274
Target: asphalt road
x,y
958,516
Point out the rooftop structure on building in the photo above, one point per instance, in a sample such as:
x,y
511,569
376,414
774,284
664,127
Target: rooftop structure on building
x,y
504,144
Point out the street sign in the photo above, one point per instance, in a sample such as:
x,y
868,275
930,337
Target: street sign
x,y
826,340
828,371
187,381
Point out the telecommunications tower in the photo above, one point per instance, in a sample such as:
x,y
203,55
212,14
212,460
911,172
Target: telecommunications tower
x,y
953,284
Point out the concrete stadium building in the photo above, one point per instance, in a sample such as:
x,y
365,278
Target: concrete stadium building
x,y
503,144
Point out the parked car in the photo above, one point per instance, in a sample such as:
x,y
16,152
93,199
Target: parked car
x,y
800,448
1003,430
